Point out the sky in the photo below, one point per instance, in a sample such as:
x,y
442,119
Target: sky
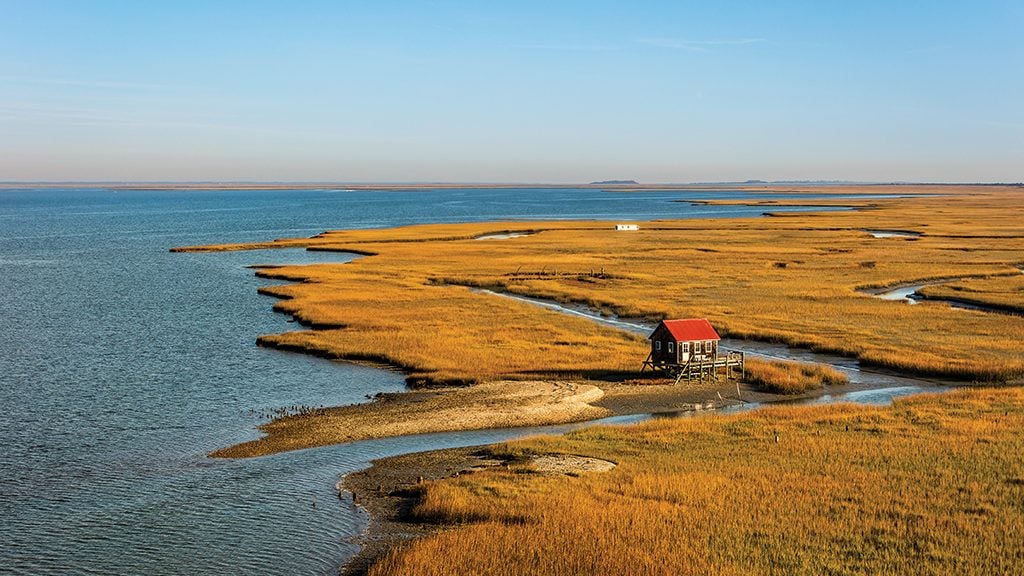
x,y
559,92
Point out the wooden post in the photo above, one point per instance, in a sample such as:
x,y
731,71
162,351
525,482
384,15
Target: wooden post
x,y
647,363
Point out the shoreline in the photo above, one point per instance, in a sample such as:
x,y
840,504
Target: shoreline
x,y
383,186
386,491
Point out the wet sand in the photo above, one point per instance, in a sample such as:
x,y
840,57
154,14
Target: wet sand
x,y
500,404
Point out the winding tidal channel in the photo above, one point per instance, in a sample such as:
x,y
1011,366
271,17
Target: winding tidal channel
x,y
910,294
867,384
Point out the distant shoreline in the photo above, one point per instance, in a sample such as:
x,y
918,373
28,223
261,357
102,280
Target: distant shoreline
x,y
383,186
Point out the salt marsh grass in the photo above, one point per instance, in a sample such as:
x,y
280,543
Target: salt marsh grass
x,y
931,485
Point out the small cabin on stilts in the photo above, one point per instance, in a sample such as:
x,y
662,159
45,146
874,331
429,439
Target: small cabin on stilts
x,y
689,349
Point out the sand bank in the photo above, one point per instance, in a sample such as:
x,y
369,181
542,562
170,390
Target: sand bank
x,y
502,404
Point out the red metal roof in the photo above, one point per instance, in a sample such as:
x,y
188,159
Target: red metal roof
x,y
691,329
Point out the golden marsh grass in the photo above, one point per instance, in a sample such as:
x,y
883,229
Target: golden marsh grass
x,y
791,377
931,485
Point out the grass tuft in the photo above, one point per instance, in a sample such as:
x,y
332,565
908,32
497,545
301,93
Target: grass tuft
x,y
791,377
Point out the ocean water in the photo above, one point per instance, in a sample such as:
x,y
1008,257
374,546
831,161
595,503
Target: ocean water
x,y
122,365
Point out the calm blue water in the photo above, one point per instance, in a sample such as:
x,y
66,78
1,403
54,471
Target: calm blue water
x,y
122,364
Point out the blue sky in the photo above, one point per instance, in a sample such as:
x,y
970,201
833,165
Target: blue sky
x,y
512,91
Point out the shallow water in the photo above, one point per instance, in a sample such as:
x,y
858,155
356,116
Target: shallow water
x,y
905,293
504,236
908,293
893,233
833,395
122,364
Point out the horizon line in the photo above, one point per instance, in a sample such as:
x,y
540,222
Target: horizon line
x,y
610,183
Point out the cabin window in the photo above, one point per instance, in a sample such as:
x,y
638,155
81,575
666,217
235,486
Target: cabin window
x,y
686,347
709,347
671,348
696,347
657,345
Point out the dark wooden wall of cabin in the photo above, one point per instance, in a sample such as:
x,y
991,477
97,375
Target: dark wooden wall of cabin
x,y
661,334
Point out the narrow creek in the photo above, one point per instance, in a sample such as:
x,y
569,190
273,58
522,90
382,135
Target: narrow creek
x,y
867,384
504,235
910,294
906,292
879,233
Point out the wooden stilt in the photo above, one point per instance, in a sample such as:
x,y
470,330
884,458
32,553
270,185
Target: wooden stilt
x,y
732,365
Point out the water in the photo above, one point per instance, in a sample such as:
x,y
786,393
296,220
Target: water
x,y
893,233
909,293
904,293
122,365
503,236
867,385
